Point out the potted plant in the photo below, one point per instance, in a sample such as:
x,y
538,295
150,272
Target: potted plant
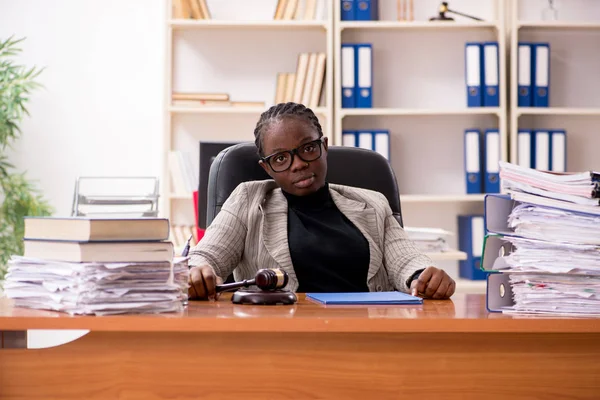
x,y
18,196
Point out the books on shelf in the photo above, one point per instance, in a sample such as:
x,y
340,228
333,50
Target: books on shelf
x,y
306,10
543,250
181,233
184,177
190,9
306,84
210,100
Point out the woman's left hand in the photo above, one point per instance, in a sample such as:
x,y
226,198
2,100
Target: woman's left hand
x,y
433,283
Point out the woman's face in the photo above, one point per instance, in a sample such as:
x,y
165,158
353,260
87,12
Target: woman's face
x,y
302,177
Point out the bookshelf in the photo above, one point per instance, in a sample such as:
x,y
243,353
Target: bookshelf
x,y
238,51
419,95
574,104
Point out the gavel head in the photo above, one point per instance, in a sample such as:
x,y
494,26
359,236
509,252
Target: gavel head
x,y
271,279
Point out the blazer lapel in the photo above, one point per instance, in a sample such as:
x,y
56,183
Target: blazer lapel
x,y
365,219
275,234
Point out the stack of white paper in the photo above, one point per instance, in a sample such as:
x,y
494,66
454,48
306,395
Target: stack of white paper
x,y
556,294
580,188
429,240
97,288
554,263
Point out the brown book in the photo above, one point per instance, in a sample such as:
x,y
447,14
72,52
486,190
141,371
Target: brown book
x,y
201,96
315,94
281,4
204,9
99,251
186,9
300,77
84,229
195,9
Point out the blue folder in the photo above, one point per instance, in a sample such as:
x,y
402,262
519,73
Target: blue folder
x,y
365,298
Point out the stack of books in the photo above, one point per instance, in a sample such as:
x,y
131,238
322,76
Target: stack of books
x,y
307,10
98,266
543,243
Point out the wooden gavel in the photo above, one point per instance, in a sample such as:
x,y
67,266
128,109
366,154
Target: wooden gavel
x,y
265,279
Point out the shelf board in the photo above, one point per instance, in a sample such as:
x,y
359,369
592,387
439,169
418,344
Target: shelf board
x,y
230,110
180,196
453,255
558,25
437,198
392,25
557,111
265,24
418,111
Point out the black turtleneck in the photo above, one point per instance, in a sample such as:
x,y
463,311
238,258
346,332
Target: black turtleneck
x,y
328,251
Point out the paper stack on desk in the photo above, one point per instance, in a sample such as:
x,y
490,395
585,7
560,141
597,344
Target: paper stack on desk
x,y
545,238
97,288
97,266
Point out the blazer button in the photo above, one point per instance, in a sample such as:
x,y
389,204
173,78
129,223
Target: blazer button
x,y
379,288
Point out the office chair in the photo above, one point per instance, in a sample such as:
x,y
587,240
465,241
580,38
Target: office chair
x,y
349,166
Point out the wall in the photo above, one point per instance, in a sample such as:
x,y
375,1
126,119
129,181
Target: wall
x,y
100,112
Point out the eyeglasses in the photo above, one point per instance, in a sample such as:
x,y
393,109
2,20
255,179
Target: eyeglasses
x,y
283,160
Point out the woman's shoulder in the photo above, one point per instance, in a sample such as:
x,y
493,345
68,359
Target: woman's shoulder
x,y
251,190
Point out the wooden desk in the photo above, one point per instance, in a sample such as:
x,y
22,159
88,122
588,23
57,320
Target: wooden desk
x,y
449,349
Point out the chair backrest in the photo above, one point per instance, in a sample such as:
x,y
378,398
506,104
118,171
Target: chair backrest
x,y
349,166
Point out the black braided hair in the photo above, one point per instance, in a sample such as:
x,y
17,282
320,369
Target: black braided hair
x,y
280,111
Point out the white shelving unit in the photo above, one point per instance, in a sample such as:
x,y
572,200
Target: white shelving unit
x,y
419,95
574,87
239,51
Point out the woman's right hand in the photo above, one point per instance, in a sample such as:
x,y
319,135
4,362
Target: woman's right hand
x,y
203,282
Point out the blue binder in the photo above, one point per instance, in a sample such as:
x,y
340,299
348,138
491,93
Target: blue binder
x,y
471,233
381,142
348,55
472,164
367,10
525,75
558,150
347,10
364,75
541,80
491,75
349,138
365,298
491,184
473,74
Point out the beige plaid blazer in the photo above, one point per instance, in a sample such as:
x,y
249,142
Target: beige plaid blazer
x,y
250,233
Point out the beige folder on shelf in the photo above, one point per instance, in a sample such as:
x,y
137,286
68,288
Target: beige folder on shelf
x,y
290,9
310,79
289,87
315,94
310,9
301,71
282,78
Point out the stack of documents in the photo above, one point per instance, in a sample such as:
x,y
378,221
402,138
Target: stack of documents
x,y
579,188
550,243
97,288
429,240
556,294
